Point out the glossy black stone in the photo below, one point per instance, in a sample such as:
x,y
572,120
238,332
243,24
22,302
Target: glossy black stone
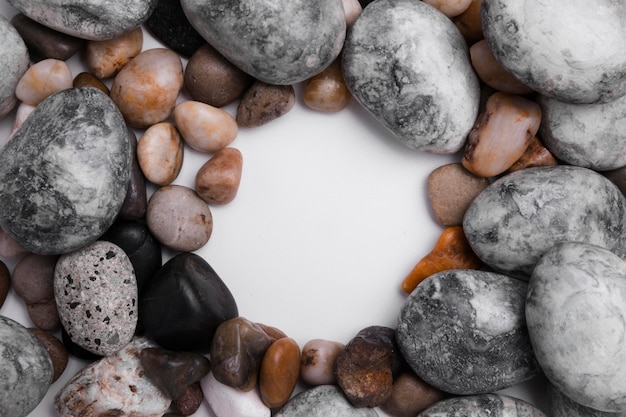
x,y
169,24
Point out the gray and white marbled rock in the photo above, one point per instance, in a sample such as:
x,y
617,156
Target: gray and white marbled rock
x,y
546,45
576,315
275,41
485,405
25,367
561,406
517,218
13,64
587,135
464,332
323,401
64,174
88,19
407,65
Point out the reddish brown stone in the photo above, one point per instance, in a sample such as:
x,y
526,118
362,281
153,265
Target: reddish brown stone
x,y
189,401
279,372
217,180
410,395
263,103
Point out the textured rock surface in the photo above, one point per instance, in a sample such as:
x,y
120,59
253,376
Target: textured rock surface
x,y
323,401
64,175
408,65
485,405
14,62
561,406
169,24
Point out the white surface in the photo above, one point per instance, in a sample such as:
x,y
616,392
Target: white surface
x,y
331,215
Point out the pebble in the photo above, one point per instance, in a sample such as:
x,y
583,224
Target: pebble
x,y
113,386
105,58
352,9
484,405
146,88
272,332
450,8
317,366
327,91
517,218
410,395
5,282
277,42
203,127
96,295
468,23
87,79
42,80
44,315
464,332
136,201
323,401
262,103
536,155
169,24
25,367
23,111
57,193
575,312
160,153
279,372
561,406
76,350
227,401
217,181
212,79
184,303
178,218
9,248
57,352
14,62
426,107
190,400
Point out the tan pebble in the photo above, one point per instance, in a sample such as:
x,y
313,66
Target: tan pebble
x,y
536,155
327,91
145,90
263,103
352,10
203,127
492,73
42,80
450,8
87,79
217,180
56,350
469,24
280,368
105,58
317,365
5,282
160,153
410,395
451,189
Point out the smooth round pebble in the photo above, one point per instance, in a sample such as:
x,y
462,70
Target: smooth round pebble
x,y
57,352
327,91
5,282
190,400
217,181
410,395
262,103
323,401
14,62
279,372
87,79
227,401
203,127
44,315
105,58
485,405
160,153
42,80
317,365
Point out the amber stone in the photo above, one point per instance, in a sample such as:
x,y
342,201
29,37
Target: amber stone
x,y
279,372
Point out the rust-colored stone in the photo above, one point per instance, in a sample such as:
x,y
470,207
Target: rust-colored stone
x,y
279,372
536,155
218,179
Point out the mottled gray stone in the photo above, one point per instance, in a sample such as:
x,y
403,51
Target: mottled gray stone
x,y
576,316
64,175
464,332
485,405
13,64
25,369
547,45
88,19
587,135
275,41
323,401
407,65
517,218
561,406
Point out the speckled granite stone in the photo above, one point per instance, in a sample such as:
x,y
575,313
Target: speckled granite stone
x,y
64,175
323,401
13,64
87,19
576,315
561,406
275,41
464,332
25,369
546,45
407,64
516,219
485,405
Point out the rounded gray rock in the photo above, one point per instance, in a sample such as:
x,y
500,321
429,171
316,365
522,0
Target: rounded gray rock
x,y
464,332
517,218
576,316
323,401
13,64
25,367
407,65
561,406
485,405
275,41
64,175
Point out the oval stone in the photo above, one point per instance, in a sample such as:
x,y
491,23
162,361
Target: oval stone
x,y
14,62
407,65
64,175
517,218
323,401
561,406
485,405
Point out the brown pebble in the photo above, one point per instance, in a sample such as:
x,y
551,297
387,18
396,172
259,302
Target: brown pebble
x,y
410,395
327,91
136,201
279,372
536,155
105,58
469,24
87,79
56,350
217,180
5,282
189,401
33,278
272,332
44,315
9,246
262,103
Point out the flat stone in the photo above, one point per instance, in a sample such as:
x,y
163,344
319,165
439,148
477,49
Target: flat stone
x,y
485,405
323,401
14,62
169,24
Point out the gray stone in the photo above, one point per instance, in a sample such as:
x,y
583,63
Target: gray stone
x,y
275,41
407,65
561,406
323,401
546,45
485,405
64,175
576,315
25,367
13,64
517,218
464,332
88,19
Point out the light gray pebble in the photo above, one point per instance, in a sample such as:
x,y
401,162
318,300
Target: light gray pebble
x,y
323,401
561,406
485,405
13,64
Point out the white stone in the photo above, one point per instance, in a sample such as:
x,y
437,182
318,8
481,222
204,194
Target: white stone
x,y
226,401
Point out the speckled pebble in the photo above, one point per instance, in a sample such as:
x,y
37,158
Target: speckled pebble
x,y
57,352
485,405
262,103
105,58
14,62
323,401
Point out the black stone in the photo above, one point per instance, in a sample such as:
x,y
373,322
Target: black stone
x,y
169,24
136,201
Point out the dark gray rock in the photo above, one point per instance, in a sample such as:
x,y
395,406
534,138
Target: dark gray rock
x,y
517,218
169,24
576,315
464,332
64,175
485,405
407,64
13,64
323,401
561,406
275,41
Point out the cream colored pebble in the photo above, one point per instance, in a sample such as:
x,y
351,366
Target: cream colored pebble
x,y
105,58
492,73
352,9
42,80
160,153
450,8
203,127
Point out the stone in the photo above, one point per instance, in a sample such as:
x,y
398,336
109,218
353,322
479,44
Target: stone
x,y
410,395
21,114
184,303
217,181
64,175
42,80
464,332
135,203
536,155
282,42
87,19
96,294
484,405
189,401
317,366
425,107
203,127
87,79
44,315
76,350
262,103
25,367
322,401
279,371
561,406
169,24
57,352
5,282
14,62
327,91
226,401
9,248
105,58
160,153
576,312
517,218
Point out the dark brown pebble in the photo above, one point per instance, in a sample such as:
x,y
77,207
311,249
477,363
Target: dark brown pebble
x,y
5,282
136,202
189,401
262,103
410,395
57,351
44,315
87,79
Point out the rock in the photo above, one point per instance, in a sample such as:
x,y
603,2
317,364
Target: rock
x,y
279,372
262,103
105,58
76,350
5,282
160,153
42,80
227,401
14,62
322,401
64,175
169,24
217,181
136,200
203,127
561,406
327,91
57,352
189,401
87,79
410,395
426,107
485,405
317,365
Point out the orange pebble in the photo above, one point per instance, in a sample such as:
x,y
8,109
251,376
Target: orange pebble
x,y
279,373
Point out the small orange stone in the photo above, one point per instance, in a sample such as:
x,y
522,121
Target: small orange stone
x,y
536,155
280,369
